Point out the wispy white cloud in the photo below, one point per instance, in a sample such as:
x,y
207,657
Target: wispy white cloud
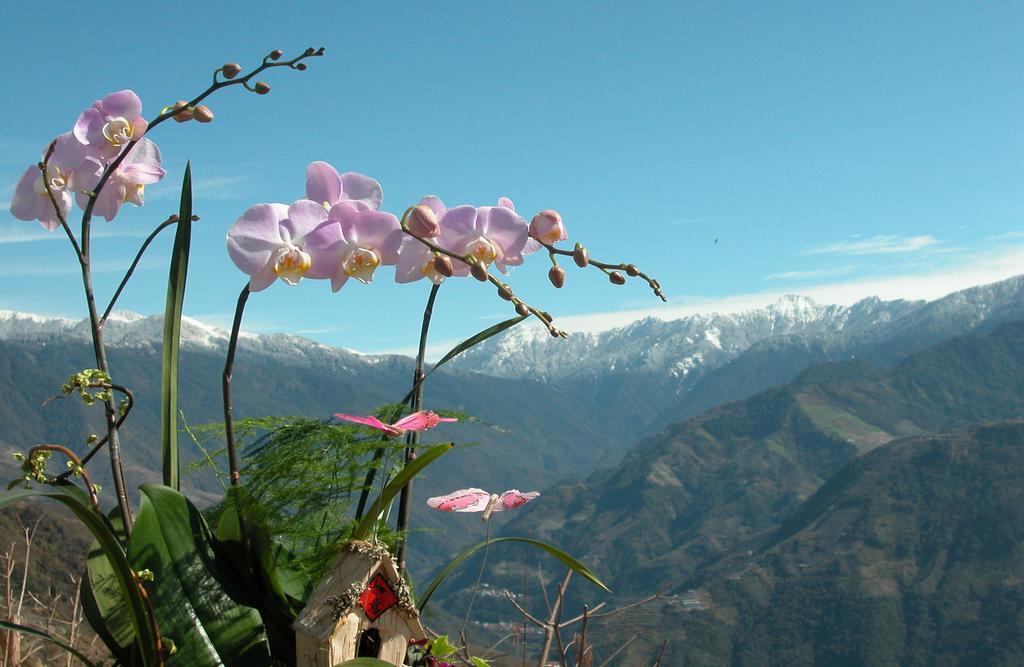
x,y
814,273
223,188
71,268
882,244
319,330
1012,235
29,232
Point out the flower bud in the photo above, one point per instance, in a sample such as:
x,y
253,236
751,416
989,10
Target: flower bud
x,y
505,292
617,278
443,265
422,222
555,332
202,114
183,113
547,227
522,309
557,276
231,70
631,270
276,54
261,88
580,256
300,66
479,271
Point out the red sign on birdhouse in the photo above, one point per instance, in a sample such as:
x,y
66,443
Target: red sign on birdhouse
x,y
378,597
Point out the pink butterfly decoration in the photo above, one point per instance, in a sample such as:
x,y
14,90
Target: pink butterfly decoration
x,y
478,500
417,421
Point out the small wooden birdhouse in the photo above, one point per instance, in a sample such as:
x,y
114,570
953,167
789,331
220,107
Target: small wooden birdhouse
x,y
361,608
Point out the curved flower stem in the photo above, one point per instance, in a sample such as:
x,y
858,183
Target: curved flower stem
x,y
412,438
173,219
151,615
43,166
102,441
168,112
504,290
96,328
229,362
629,269
79,469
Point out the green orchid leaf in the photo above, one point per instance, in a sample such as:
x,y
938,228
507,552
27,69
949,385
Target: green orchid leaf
x,y
465,345
365,526
568,560
24,629
172,337
120,570
200,601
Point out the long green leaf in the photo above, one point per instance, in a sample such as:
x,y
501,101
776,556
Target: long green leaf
x,y
24,629
199,601
172,336
571,562
391,490
105,608
112,549
465,345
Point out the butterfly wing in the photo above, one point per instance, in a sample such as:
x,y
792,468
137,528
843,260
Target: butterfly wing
x,y
514,498
420,421
372,422
463,500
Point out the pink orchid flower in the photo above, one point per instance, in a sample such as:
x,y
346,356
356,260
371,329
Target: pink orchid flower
x,y
352,243
269,242
31,201
327,187
492,234
417,421
478,500
139,168
111,123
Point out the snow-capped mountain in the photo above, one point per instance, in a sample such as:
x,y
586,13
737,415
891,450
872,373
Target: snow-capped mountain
x,y
679,352
125,329
687,347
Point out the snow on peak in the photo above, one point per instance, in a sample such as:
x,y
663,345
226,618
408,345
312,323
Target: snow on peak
x,y
795,306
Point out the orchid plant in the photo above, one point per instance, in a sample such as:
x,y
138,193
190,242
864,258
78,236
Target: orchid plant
x,y
135,590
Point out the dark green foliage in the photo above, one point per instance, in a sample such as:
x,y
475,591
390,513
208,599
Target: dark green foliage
x,y
303,477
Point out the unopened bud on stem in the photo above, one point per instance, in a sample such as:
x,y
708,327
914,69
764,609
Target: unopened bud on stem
x,y
505,292
202,114
231,70
479,271
276,54
522,309
547,227
443,265
617,278
631,270
422,222
182,113
580,256
261,87
557,276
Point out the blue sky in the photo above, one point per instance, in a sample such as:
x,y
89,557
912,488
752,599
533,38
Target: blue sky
x,y
838,150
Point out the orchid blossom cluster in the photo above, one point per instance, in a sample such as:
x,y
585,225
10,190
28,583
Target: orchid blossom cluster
x,y
76,161
338,232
